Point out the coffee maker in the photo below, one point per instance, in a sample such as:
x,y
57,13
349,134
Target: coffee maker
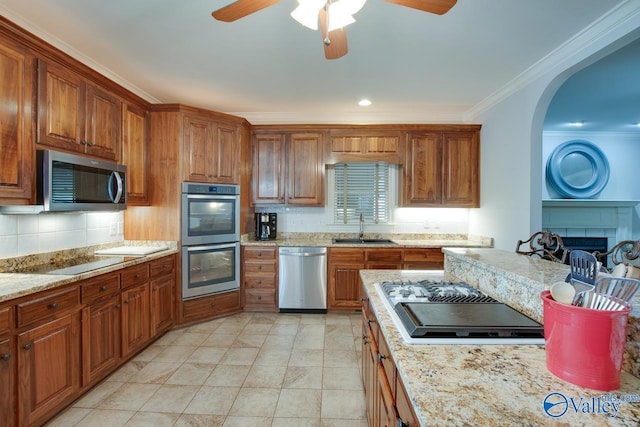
x,y
266,226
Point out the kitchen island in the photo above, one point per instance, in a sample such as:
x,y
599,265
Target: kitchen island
x,y
490,384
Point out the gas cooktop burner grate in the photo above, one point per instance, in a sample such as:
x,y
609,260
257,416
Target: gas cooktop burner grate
x,y
482,299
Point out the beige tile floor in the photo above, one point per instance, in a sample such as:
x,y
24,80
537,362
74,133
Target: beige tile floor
x,y
250,369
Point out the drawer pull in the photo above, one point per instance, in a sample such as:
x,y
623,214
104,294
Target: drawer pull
x,y
103,288
137,276
27,346
6,357
53,305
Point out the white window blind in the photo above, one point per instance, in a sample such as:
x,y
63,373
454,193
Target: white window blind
x,y
361,188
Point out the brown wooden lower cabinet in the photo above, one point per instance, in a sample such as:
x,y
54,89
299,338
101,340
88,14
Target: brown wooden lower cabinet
x,y
387,402
100,339
210,306
56,344
48,368
136,324
344,265
7,380
163,303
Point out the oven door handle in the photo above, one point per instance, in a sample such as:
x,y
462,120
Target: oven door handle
x,y
209,247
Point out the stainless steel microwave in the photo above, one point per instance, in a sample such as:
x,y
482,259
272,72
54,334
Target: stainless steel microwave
x,y
69,182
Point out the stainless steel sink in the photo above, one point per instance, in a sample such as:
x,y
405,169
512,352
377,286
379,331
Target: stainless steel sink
x,y
363,241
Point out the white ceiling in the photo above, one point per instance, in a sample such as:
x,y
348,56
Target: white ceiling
x,y
416,67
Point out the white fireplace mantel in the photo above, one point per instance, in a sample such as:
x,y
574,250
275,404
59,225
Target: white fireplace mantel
x,y
590,218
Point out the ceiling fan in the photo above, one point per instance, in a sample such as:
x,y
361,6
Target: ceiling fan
x,y
332,14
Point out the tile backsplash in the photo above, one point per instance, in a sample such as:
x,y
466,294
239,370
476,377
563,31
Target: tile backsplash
x,y
29,234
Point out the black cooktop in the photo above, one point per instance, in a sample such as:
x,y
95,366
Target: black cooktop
x,y
76,265
445,309
466,319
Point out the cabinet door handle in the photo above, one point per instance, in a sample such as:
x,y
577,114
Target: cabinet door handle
x,y
83,142
27,346
6,357
53,305
370,321
103,288
137,276
90,144
118,306
402,423
381,357
126,301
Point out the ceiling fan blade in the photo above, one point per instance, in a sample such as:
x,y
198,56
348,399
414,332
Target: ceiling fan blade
x,y
439,7
240,9
335,42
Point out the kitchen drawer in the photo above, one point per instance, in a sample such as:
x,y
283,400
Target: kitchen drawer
x,y
162,266
48,306
260,297
135,275
260,282
348,255
260,268
422,255
384,255
260,252
98,287
210,306
6,319
384,357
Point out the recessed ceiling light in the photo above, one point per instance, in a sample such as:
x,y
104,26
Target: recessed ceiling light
x,y
576,124
364,102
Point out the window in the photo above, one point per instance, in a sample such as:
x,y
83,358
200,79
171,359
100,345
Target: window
x,y
361,188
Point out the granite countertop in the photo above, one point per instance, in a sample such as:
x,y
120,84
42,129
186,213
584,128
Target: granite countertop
x,y
489,385
402,240
16,284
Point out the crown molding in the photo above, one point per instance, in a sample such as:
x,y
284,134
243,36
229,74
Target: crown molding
x,y
572,51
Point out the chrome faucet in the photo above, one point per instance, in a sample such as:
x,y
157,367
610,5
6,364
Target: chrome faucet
x,y
361,236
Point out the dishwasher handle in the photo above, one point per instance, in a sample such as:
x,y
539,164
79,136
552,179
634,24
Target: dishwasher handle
x,y
303,251
302,254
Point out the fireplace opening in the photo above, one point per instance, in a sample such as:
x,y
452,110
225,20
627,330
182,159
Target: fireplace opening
x,y
587,244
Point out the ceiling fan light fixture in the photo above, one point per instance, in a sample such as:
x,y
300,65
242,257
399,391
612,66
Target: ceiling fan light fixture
x,y
307,12
339,15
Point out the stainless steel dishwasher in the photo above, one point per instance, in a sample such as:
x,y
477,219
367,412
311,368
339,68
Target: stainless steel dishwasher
x,y
303,279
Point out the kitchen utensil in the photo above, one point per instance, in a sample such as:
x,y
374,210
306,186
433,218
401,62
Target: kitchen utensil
x,y
582,289
584,267
611,292
563,292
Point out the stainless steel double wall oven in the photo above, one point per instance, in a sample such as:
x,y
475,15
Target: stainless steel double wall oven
x,y
210,239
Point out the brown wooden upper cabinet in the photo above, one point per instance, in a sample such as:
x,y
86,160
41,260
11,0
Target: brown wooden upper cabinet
x,y
76,115
17,85
135,136
288,168
212,151
441,169
363,146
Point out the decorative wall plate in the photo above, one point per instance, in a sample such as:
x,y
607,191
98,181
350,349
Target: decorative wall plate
x,y
577,169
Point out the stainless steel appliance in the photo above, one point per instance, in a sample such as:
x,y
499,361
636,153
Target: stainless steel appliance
x,y
210,239
69,182
210,213
435,311
303,279
266,226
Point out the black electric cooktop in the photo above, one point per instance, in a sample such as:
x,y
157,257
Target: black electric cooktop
x,y
466,319
444,309
76,265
